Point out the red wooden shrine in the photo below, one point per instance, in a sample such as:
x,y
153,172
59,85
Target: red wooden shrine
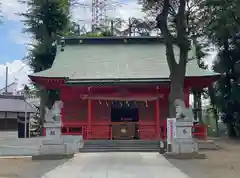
x,y
87,109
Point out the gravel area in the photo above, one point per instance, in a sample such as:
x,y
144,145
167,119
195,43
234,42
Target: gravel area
x,y
26,168
221,163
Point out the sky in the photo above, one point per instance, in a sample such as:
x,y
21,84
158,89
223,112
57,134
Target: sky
x,y
13,43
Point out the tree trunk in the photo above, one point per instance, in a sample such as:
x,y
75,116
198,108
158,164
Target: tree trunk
x,y
177,67
43,98
231,130
176,92
215,112
195,104
197,100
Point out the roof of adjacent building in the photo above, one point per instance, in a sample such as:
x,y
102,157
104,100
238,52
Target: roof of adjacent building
x,y
12,103
116,59
10,88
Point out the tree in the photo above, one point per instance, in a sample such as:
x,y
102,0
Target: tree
x,y
44,21
139,27
175,19
223,27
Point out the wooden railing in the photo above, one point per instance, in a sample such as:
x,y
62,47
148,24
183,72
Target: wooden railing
x,y
99,133
147,131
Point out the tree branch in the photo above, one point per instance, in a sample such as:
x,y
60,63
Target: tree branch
x,y
182,36
168,38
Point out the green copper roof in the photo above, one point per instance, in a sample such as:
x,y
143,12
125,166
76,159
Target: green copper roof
x,y
115,62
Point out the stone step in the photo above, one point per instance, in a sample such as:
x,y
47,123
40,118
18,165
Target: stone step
x,y
207,145
17,151
34,142
120,146
130,149
121,141
125,147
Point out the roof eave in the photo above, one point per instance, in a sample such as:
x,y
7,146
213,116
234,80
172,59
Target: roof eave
x,y
112,82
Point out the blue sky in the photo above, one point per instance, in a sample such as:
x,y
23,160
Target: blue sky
x,y
10,47
12,50
13,41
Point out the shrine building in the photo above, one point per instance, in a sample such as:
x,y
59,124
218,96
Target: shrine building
x,y
116,87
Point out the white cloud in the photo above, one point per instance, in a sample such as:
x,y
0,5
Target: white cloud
x,y
18,37
17,71
130,8
10,8
126,9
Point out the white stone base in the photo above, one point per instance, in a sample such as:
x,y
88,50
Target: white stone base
x,y
40,146
64,145
184,146
8,134
180,137
53,130
52,149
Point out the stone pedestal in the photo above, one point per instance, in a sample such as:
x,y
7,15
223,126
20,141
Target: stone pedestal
x,y
56,146
53,130
59,147
8,134
180,139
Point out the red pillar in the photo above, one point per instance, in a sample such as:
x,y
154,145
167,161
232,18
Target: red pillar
x,y
157,118
89,118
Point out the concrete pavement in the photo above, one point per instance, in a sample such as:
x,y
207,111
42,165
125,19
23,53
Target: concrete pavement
x,y
116,165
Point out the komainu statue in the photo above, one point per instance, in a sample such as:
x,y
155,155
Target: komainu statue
x,y
53,114
182,112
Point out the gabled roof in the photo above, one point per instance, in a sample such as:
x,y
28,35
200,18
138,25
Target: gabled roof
x,y
11,103
8,86
121,59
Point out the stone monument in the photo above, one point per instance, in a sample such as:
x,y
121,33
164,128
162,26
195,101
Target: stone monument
x,y
55,145
179,130
53,120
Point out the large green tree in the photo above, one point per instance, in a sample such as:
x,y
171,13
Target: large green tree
x,y
178,24
222,28
44,20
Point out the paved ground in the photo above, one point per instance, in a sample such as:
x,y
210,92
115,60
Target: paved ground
x,y
219,164
26,168
116,165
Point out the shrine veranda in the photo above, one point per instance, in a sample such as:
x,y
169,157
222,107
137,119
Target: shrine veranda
x,y
116,87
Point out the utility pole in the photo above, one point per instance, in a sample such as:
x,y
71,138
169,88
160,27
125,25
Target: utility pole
x,y
112,30
6,80
129,27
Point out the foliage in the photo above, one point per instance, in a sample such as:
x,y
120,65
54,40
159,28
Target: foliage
x,y
222,28
139,27
44,20
116,27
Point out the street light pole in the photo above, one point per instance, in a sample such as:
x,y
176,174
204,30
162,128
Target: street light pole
x,y
25,117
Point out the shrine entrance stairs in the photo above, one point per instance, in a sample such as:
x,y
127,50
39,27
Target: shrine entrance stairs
x,y
120,146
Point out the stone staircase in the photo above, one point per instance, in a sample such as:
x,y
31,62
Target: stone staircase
x,y
120,146
207,145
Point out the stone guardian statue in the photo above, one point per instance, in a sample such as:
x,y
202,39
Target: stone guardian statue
x,y
53,114
183,113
